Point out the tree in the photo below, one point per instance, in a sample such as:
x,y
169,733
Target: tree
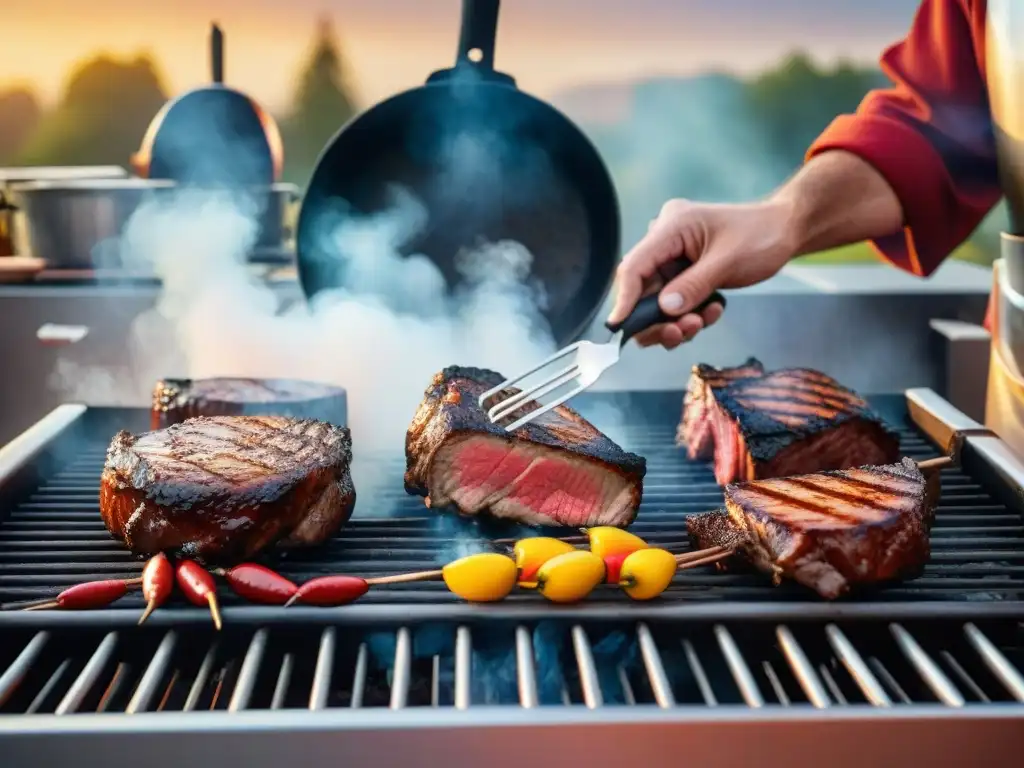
x,y
794,102
19,117
322,104
102,115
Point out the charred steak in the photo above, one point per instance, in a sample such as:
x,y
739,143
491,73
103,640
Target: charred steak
x,y
559,470
792,422
830,531
695,432
716,529
222,488
175,400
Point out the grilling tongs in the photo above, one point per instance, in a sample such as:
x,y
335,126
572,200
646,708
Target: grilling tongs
x,y
590,361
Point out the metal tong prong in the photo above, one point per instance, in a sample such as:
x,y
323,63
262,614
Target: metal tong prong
x,y
509,405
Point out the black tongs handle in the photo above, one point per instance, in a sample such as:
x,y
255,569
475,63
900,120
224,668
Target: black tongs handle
x,y
647,311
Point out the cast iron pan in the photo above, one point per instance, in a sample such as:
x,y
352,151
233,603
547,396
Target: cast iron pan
x,y
213,135
490,163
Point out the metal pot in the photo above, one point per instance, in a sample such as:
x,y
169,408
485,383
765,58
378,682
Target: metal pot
x,y
74,225
11,237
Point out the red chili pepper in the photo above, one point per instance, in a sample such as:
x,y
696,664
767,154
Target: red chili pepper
x,y
259,584
613,567
157,583
92,594
199,587
330,591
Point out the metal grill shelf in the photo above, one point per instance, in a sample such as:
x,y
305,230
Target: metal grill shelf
x,y
448,665
51,535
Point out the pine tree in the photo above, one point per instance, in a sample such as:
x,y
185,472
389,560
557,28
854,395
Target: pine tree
x,y
322,104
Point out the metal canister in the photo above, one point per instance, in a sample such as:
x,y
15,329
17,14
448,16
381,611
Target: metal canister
x,y
7,209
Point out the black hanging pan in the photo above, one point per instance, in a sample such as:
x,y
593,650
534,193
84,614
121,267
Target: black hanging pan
x,y
490,163
212,135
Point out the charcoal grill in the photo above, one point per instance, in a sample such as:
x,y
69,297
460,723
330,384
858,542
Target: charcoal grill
x,y
934,666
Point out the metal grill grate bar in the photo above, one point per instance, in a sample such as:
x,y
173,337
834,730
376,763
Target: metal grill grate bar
x,y
655,668
589,681
149,686
202,678
997,663
242,694
805,674
16,672
89,675
284,680
941,685
738,667
359,676
402,670
526,672
463,667
857,667
775,683
324,670
699,674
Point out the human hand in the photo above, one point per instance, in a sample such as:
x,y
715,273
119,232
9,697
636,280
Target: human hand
x,y
729,246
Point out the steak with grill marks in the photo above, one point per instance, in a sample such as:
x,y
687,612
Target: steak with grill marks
x,y
175,400
558,470
695,430
794,421
222,488
830,531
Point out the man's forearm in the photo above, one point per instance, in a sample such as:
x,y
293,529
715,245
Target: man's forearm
x,y
837,199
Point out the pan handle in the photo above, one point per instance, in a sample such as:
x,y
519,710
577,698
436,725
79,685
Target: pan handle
x,y
478,34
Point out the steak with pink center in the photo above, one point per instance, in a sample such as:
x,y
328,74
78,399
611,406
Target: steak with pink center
x,y
559,470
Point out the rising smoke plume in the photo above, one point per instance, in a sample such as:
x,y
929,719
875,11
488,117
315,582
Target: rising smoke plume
x,y
382,337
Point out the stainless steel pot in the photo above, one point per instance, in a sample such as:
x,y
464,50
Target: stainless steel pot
x,y
74,224
12,238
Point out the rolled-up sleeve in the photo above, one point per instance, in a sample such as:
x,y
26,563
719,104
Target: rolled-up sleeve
x,y
929,135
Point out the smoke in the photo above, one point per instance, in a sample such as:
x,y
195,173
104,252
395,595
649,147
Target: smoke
x,y
382,338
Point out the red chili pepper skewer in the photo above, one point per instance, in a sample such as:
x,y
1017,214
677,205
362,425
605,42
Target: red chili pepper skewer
x,y
199,587
259,584
90,594
157,583
330,591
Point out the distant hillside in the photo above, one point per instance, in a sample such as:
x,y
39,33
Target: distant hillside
x,y
713,137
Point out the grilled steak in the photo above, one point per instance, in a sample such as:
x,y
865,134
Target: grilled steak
x,y
695,431
791,422
559,470
222,488
832,530
175,400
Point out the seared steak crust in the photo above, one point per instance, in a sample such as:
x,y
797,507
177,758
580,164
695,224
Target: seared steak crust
x,y
695,432
795,421
558,470
833,530
716,529
223,488
175,400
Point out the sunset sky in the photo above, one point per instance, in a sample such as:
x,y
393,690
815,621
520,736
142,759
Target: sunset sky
x,y
393,44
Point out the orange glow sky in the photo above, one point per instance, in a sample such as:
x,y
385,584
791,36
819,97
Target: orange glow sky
x,y
393,44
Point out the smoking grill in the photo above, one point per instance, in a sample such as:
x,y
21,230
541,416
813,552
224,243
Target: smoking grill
x,y
949,641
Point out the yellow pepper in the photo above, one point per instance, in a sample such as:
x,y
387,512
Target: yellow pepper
x,y
483,578
605,541
647,573
531,554
571,576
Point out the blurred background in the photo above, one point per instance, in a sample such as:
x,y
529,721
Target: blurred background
x,y
710,99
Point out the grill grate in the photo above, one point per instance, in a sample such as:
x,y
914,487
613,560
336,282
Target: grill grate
x,y
51,535
448,665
